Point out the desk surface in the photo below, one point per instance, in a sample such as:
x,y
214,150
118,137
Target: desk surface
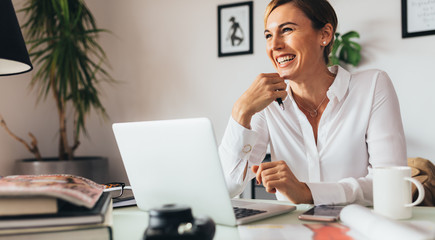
x,y
130,222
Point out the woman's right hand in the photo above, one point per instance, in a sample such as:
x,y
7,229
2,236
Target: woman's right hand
x,y
265,89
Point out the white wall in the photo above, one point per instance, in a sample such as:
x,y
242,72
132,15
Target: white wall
x,y
164,54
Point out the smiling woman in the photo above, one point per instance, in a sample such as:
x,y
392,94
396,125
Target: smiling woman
x,y
319,14
335,127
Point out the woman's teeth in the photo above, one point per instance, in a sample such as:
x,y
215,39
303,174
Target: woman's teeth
x,y
285,59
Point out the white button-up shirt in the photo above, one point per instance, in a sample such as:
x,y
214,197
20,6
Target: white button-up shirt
x,y
360,128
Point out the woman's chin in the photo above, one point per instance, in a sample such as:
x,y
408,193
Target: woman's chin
x,y
285,75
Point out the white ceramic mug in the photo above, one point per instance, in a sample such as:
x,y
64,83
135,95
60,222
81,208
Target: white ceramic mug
x,y
392,192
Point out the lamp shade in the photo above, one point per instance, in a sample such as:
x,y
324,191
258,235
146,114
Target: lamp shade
x,y
14,58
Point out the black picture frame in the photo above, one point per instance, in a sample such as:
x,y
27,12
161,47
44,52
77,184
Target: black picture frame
x,y
418,18
235,30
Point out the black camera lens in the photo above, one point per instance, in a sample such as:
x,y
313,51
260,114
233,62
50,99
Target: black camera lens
x,y
170,215
176,222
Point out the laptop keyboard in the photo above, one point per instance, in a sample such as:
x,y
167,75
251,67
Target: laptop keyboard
x,y
246,212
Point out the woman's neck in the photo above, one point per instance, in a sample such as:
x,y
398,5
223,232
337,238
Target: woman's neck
x,y
312,89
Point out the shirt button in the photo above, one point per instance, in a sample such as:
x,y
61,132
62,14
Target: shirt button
x,y
247,148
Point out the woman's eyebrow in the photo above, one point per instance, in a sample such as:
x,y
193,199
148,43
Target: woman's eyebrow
x,y
287,23
282,25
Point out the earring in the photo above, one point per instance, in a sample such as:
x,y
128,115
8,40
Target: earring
x,y
324,42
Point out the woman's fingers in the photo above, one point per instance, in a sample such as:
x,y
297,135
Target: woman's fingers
x,y
273,175
265,170
277,176
255,169
271,83
270,186
265,89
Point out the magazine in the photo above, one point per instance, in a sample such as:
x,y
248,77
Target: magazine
x,y
77,190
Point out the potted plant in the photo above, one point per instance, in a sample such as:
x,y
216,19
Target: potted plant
x,y
62,41
345,50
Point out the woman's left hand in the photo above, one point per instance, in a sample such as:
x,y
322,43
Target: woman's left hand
x,y
277,176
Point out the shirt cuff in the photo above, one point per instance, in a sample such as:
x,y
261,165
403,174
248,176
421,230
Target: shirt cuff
x,y
327,193
239,140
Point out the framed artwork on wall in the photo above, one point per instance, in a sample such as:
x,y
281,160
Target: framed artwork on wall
x,y
418,18
235,30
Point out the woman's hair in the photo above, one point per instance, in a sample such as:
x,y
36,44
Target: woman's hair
x,y
320,12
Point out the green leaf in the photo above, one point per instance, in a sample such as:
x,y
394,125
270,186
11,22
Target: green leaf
x,y
349,35
345,49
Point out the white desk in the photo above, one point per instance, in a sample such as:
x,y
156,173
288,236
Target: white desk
x,y
130,223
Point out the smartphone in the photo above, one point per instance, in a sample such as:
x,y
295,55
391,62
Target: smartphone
x,y
324,213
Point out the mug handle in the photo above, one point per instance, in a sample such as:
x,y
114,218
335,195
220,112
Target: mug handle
x,y
420,192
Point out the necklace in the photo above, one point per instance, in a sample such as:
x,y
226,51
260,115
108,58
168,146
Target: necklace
x,y
313,113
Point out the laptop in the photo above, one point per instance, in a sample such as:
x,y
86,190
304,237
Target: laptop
x,y
177,161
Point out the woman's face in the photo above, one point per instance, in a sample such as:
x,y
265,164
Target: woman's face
x,y
293,45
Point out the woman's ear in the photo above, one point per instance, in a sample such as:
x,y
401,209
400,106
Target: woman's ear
x,y
326,34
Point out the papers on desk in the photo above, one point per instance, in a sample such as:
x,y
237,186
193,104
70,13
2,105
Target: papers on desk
x,y
357,223
374,226
298,231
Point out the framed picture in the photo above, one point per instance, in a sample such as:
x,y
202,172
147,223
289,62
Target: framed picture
x,y
235,31
418,18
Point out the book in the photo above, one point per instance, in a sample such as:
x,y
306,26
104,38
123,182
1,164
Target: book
x,y
10,206
67,215
124,202
92,233
69,188
95,231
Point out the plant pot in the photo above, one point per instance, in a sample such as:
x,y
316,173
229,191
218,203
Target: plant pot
x,y
94,168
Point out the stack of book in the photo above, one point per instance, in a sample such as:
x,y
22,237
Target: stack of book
x,y
54,207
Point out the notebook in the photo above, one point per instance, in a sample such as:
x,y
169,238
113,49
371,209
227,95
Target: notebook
x,y
177,161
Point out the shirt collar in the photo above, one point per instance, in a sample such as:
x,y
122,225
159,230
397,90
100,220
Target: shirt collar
x,y
341,83
339,86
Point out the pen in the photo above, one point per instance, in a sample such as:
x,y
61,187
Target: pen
x,y
279,101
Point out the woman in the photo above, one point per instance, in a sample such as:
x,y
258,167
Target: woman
x,y
335,127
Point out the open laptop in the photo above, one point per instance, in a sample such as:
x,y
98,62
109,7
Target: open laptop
x,y
177,161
